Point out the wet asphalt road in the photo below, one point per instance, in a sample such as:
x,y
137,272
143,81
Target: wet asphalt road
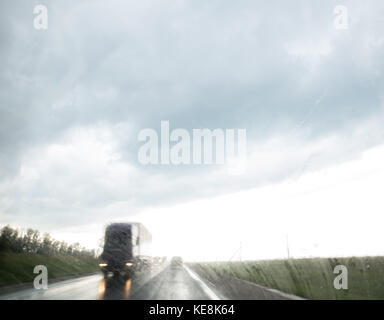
x,y
173,282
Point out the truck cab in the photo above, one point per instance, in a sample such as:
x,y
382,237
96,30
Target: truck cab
x,y
126,249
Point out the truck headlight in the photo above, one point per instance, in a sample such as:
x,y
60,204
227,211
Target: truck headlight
x,y
103,264
129,264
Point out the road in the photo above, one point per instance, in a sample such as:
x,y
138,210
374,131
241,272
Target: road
x,y
169,283
178,282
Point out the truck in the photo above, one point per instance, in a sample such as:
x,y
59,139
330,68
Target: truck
x,y
127,250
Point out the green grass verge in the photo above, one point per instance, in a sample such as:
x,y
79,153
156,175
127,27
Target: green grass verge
x,y
18,268
310,278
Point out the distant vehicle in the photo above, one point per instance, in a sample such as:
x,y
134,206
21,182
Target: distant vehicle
x,y
157,261
127,249
176,261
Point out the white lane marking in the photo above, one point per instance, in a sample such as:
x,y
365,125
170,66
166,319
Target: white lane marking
x,y
274,291
208,291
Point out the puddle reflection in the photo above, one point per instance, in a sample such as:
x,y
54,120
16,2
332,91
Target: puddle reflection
x,y
115,288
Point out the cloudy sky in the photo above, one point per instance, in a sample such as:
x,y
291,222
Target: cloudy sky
x,y
75,96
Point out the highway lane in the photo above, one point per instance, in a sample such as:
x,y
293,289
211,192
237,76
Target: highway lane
x,y
83,288
174,283
178,282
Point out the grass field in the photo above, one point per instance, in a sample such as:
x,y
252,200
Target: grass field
x,y
18,268
310,278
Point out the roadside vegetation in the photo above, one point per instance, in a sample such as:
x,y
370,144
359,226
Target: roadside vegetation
x,y
310,278
21,251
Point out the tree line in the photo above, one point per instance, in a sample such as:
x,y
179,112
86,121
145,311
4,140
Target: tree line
x,y
32,242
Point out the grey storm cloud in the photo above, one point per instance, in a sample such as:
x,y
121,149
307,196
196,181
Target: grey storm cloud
x,y
272,68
